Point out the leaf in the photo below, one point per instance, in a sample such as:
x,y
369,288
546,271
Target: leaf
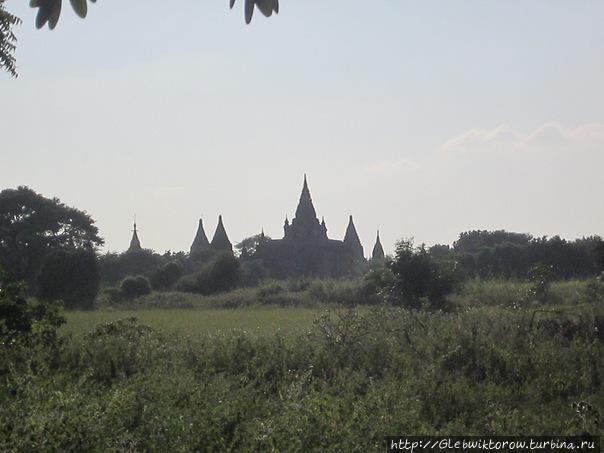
x,y
80,7
249,10
265,7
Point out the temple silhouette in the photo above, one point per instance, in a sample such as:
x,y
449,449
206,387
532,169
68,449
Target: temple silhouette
x,y
304,250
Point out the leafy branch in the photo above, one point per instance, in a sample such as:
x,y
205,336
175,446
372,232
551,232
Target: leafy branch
x,y
49,12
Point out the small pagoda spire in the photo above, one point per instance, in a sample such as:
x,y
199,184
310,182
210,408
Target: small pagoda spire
x,y
378,250
200,243
220,241
351,239
135,243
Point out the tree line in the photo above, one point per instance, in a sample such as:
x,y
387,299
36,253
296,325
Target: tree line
x,y
54,249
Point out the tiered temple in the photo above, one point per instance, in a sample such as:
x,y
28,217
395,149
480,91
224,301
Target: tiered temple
x,y
305,249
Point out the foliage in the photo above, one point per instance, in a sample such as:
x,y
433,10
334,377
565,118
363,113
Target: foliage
x,y
70,276
115,267
222,274
132,287
247,247
540,278
253,272
166,277
7,40
31,226
418,277
352,378
21,318
489,254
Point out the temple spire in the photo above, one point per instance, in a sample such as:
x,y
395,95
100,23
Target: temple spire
x,y
378,250
220,241
351,239
305,211
200,243
135,243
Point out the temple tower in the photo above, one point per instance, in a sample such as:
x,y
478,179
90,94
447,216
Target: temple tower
x,y
135,243
378,250
220,241
352,241
305,227
200,243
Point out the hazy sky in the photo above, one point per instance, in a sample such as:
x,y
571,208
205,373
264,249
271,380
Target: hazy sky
x,y
422,118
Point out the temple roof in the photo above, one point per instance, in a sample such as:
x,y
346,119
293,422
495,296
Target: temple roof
x,y
135,243
220,241
378,250
200,243
351,236
305,211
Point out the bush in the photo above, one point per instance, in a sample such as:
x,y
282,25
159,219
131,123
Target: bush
x,y
132,287
540,278
20,317
222,274
166,276
70,276
418,277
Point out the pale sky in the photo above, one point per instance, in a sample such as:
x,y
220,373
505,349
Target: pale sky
x,y
424,118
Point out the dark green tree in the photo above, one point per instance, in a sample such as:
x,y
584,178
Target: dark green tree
x,y
132,287
32,226
222,274
247,248
70,276
166,276
418,277
116,266
20,317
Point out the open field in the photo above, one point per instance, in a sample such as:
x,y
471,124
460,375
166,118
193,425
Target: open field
x,y
194,322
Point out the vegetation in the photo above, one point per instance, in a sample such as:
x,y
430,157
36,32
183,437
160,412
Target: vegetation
x,y
7,40
343,384
132,287
489,254
70,276
32,226
49,12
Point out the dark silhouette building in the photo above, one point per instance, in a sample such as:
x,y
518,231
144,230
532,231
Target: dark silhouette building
x,y
200,243
305,249
378,250
220,240
135,243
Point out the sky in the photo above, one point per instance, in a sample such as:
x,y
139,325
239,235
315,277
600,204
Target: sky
x,y
423,119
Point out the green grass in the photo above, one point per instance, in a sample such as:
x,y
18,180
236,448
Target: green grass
x,y
257,321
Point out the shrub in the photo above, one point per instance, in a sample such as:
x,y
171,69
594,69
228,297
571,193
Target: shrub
x,y
540,278
70,276
222,274
418,277
166,276
20,317
132,287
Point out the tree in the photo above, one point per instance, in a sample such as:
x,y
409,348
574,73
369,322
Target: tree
x,y
70,276
418,276
166,276
31,226
7,40
247,248
49,12
222,274
20,317
132,287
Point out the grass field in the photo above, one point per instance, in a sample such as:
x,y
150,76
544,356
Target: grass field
x,y
258,321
